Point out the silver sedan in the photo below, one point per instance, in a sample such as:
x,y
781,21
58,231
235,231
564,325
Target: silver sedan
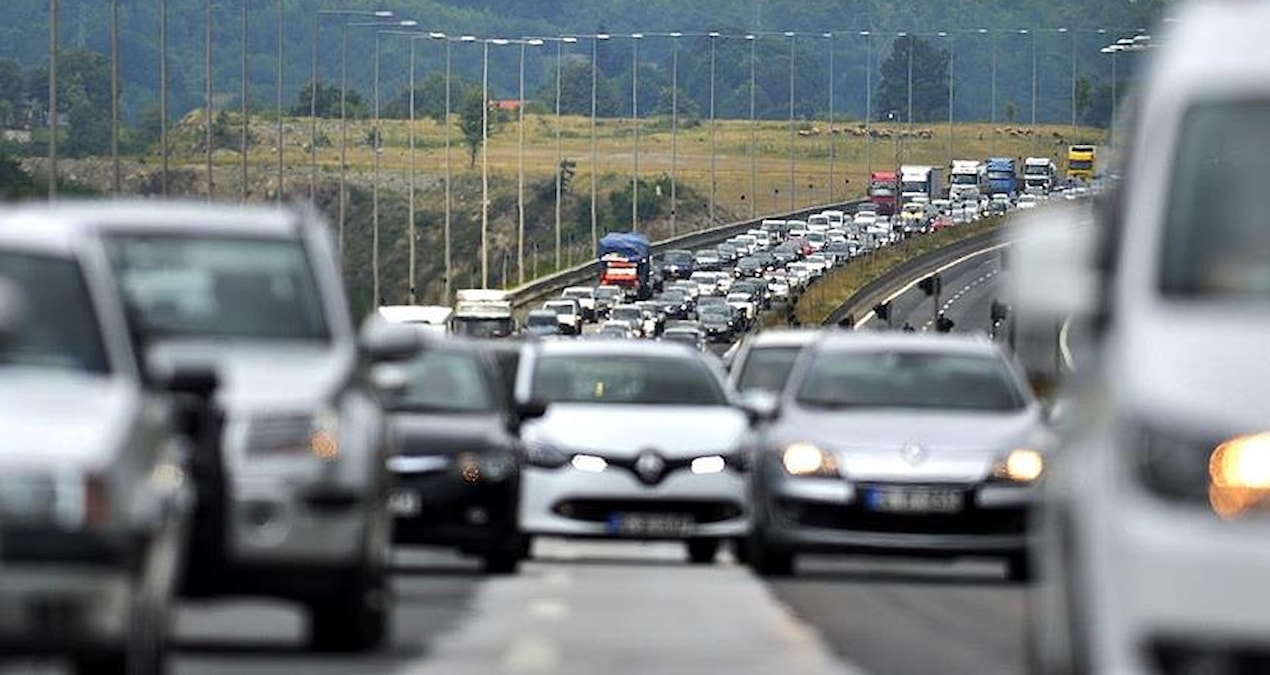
x,y
897,443
641,440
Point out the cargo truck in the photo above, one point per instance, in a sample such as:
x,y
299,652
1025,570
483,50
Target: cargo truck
x,y
967,180
624,262
920,181
1002,176
884,192
1039,175
483,313
1081,163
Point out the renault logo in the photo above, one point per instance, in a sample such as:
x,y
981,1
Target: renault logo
x,y
914,454
649,466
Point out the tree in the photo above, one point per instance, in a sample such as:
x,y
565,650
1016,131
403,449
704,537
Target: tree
x,y
328,102
471,120
12,93
929,77
1011,110
429,98
575,91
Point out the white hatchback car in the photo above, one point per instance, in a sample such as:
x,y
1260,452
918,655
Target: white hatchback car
x,y
1156,535
641,440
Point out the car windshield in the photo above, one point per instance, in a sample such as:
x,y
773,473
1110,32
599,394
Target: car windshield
x,y
625,379
444,381
606,293
59,325
628,313
579,293
767,368
908,379
186,286
677,257
560,307
1216,240
541,319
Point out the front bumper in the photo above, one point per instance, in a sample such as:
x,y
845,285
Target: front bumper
x,y
829,515
273,520
568,502
59,607
473,516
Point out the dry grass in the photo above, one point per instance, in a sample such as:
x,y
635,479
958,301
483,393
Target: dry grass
x,y
614,149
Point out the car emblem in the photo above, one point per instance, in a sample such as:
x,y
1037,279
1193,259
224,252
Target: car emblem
x,y
649,466
913,454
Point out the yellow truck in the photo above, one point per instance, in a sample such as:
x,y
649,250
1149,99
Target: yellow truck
x,y
1081,163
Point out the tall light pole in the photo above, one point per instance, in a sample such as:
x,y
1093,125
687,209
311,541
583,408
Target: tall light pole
x,y
242,95
674,131
714,182
207,90
410,198
52,121
951,69
909,132
485,157
1071,61
374,151
595,174
520,162
560,42
163,96
868,105
117,173
281,25
833,138
792,192
313,83
753,40
993,113
449,266
1032,143
635,38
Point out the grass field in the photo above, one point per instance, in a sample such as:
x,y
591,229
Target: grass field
x,y
760,180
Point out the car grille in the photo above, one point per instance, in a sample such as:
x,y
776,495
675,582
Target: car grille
x,y
279,433
600,510
858,519
1180,656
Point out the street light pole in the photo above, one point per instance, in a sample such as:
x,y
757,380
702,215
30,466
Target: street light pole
x,y
374,151
674,131
635,38
833,138
1071,59
410,209
207,91
792,192
753,40
909,133
242,96
595,174
52,116
163,96
560,42
993,115
520,164
868,104
281,19
951,57
1032,143
117,173
713,174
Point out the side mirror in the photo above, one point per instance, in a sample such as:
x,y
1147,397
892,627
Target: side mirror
x,y
382,341
760,406
12,314
523,412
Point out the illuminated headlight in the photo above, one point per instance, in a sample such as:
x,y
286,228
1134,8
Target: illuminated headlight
x,y
807,460
1239,474
1021,465
589,463
324,439
710,464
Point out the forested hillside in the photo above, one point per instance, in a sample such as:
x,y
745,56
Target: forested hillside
x,y
85,26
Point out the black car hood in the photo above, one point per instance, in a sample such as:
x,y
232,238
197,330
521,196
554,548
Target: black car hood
x,y
449,433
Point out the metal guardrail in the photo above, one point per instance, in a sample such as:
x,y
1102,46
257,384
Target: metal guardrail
x,y
533,292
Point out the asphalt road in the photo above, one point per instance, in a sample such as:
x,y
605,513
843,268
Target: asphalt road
x,y
592,607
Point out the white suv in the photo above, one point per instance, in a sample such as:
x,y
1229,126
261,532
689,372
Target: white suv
x,y
1155,541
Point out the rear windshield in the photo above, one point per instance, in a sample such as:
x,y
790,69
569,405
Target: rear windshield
x,y
904,379
767,368
59,327
628,379
443,381
1217,232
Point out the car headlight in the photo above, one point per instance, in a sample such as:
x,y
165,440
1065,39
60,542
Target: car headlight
x,y
1239,474
545,455
1020,465
324,438
589,463
807,460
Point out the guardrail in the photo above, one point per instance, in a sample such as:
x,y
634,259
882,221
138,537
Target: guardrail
x,y
534,292
862,301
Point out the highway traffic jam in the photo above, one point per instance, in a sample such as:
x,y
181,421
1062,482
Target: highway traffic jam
x,y
192,414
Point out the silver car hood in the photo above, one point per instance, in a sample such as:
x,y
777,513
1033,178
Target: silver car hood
x,y
257,376
912,445
617,430
62,420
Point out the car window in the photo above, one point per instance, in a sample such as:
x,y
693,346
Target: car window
x,y
908,379
59,326
444,381
766,368
1217,236
628,379
219,286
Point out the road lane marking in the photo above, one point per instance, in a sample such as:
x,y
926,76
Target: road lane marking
x,y
548,608
531,654
1064,349
869,315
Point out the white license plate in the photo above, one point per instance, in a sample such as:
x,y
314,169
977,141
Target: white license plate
x,y
651,524
404,503
914,500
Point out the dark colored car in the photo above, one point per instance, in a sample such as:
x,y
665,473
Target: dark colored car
x,y
457,466
749,266
542,322
677,264
719,322
676,303
688,336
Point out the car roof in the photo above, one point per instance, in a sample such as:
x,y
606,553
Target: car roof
x,y
56,227
622,348
784,337
840,340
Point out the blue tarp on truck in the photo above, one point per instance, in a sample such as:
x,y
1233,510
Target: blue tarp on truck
x,y
624,261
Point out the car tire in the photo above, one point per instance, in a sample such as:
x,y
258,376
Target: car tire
x,y
702,551
1019,568
767,561
353,618
505,560
145,651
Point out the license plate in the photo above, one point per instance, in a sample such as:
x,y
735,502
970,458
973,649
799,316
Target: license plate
x,y
651,524
914,500
404,503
